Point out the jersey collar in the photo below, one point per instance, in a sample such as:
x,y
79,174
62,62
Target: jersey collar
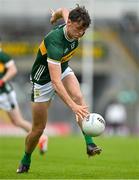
x,y
65,34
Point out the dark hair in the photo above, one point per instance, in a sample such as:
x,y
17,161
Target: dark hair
x,y
80,14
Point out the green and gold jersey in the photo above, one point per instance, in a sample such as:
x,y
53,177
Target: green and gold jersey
x,y
5,60
55,48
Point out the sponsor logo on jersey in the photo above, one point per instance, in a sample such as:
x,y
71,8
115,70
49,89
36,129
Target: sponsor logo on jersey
x,y
66,50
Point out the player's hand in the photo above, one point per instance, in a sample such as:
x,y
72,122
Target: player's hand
x,y
1,83
80,111
53,18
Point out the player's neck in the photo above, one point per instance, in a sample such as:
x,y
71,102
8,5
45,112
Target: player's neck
x,y
66,34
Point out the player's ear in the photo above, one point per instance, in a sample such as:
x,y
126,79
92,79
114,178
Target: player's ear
x,y
68,21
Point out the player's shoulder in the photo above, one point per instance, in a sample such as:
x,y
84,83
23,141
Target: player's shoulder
x,y
55,35
4,56
58,27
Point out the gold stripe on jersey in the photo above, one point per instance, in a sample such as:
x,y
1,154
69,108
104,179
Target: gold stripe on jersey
x,y
68,56
43,48
2,68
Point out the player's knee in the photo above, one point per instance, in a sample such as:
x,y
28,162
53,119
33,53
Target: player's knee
x,y
38,130
16,123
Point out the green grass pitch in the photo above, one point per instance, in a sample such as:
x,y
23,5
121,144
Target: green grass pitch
x,y
66,159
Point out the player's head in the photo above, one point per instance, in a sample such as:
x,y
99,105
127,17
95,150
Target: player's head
x,y
78,21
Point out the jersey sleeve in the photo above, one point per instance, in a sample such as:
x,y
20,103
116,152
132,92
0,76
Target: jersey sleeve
x,y
9,63
54,50
6,60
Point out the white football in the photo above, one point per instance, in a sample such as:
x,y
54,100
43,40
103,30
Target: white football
x,y
93,125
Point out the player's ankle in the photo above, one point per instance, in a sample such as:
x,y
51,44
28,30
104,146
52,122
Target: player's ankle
x,y
26,160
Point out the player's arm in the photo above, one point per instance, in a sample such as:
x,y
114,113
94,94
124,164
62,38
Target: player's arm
x,y
11,71
55,74
58,14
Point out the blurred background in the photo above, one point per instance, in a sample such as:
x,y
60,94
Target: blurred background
x,y
106,62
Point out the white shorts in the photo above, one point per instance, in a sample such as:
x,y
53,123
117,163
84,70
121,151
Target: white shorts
x,y
8,101
46,92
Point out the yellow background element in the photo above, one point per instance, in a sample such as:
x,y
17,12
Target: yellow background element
x,y
20,49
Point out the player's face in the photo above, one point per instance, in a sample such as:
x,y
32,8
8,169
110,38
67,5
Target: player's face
x,y
75,30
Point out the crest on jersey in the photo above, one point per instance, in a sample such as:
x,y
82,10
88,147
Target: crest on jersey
x,y
72,45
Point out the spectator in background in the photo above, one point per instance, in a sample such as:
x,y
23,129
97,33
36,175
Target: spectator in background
x,y
8,101
115,116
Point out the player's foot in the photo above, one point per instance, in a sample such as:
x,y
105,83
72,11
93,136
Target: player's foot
x,y
23,168
42,145
93,149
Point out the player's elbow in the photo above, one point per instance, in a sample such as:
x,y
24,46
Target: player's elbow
x,y
14,70
56,84
63,9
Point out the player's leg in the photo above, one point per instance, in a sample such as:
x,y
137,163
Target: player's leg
x,y
11,106
43,144
73,88
17,119
41,98
39,113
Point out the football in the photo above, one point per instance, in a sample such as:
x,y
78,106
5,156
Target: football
x,y
93,125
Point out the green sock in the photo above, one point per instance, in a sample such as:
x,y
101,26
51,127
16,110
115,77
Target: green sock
x,y
26,159
88,139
